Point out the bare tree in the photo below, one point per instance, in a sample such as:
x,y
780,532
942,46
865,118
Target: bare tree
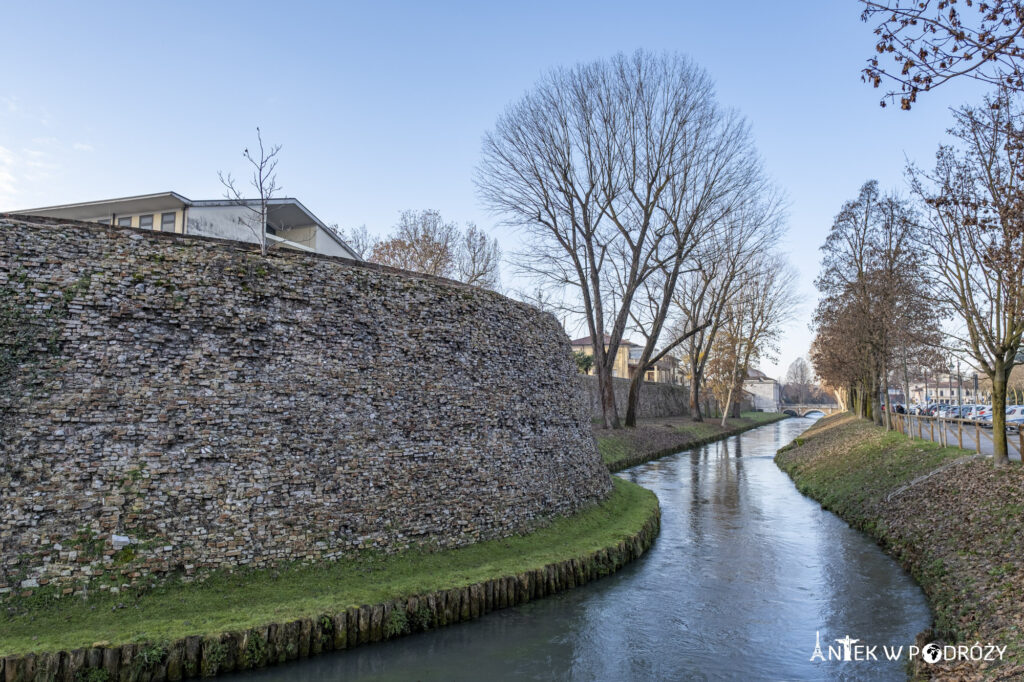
x,y
701,299
425,242
264,182
718,178
931,42
422,242
477,258
752,323
975,235
359,239
755,319
583,165
799,376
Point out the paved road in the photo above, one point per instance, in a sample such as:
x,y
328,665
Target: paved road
x,y
972,436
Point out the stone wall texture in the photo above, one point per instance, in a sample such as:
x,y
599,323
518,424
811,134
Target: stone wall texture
x,y
218,408
656,400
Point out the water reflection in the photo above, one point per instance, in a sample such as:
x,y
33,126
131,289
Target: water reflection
x,y
743,575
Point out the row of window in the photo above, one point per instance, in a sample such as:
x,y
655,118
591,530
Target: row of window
x,y
942,394
146,221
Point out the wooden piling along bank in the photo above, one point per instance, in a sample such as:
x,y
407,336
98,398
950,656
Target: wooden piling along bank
x,y
198,656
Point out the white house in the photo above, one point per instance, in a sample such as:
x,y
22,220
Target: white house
x,y
289,224
765,391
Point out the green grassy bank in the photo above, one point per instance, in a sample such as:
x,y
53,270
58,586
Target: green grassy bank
x,y
411,591
653,438
953,520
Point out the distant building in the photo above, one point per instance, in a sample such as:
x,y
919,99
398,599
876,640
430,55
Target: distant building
x,y
764,391
289,224
947,389
627,361
621,366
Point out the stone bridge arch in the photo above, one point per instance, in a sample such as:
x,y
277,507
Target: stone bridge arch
x,y
804,410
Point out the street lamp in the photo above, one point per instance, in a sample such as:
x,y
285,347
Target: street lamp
x,y
975,377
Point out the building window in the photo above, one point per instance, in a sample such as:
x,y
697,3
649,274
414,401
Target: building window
x,y
125,222
146,221
167,222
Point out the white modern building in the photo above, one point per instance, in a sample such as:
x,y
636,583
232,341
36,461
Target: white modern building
x,y
289,224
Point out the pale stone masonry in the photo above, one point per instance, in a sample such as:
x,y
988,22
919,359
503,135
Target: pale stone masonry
x,y
216,408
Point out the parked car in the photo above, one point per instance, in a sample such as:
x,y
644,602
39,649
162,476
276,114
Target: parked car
x,y
977,414
1014,415
967,412
1015,418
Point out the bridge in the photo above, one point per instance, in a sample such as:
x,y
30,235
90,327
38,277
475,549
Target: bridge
x,y
804,409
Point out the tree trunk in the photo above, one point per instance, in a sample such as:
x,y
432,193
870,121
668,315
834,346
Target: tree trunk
x,y
888,402
695,398
609,413
999,445
728,402
633,400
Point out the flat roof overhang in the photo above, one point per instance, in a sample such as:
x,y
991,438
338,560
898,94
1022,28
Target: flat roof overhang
x,y
86,210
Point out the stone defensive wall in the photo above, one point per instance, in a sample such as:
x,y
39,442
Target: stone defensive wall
x,y
656,400
178,403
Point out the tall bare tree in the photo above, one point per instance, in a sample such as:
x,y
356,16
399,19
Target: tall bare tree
x,y
924,43
585,165
719,177
702,298
751,327
263,181
975,235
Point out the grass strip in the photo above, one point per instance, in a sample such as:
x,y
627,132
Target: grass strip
x,y
242,599
651,439
855,464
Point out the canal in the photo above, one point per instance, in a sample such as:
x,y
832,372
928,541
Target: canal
x,y
744,576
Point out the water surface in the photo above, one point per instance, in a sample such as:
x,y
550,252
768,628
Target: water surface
x,y
745,573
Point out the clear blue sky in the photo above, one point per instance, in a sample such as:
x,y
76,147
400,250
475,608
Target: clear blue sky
x,y
381,106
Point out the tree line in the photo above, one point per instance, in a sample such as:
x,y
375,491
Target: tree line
x,y
909,281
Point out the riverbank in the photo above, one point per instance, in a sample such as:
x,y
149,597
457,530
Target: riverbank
x,y
953,520
251,619
654,438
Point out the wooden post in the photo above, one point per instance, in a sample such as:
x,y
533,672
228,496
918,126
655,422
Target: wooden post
x,y
931,429
977,436
1020,437
920,428
960,433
